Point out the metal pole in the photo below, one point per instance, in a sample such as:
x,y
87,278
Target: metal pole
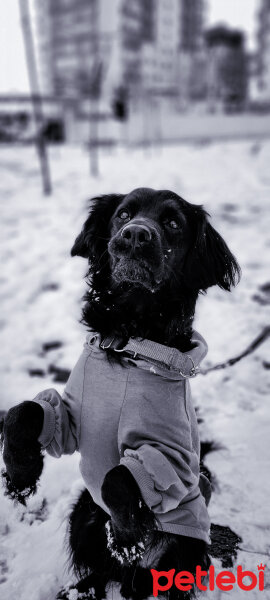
x,y
94,97
35,95
93,138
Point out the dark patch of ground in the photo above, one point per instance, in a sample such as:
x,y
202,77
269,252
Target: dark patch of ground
x,y
36,372
50,287
48,346
224,544
263,295
59,375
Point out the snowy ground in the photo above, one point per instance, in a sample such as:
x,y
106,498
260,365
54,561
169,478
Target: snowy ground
x,y
41,287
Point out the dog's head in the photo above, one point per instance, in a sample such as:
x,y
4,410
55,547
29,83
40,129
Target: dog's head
x,y
150,239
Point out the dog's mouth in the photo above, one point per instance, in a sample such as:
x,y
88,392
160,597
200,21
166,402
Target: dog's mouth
x,y
135,272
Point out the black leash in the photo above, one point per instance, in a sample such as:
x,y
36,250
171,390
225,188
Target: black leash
x,y
262,337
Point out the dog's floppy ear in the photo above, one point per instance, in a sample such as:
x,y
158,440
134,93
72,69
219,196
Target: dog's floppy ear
x,y
79,247
93,239
209,261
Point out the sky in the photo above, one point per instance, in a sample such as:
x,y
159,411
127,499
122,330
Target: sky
x,y
13,73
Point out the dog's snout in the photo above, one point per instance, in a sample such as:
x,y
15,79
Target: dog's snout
x,y
137,234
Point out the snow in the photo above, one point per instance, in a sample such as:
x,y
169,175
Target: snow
x,y
41,290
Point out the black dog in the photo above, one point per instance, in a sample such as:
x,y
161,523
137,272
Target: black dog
x,y
150,254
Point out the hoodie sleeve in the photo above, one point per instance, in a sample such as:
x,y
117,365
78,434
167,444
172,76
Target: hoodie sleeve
x,y
162,486
157,447
59,434
62,415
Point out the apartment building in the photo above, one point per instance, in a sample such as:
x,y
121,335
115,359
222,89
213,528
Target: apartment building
x,y
117,43
263,56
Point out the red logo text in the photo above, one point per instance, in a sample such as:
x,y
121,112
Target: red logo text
x,y
208,580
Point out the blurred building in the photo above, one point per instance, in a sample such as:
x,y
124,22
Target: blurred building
x,y
119,44
82,43
122,22
160,45
227,69
69,45
191,52
254,91
263,58
191,24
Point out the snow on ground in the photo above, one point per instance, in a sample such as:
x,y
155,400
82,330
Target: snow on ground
x,y
41,288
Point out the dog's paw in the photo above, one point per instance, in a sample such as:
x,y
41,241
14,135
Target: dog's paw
x,y
125,553
23,423
137,585
88,588
18,492
118,487
21,450
23,470
132,519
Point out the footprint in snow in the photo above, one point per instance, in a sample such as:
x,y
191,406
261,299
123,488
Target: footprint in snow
x,y
3,570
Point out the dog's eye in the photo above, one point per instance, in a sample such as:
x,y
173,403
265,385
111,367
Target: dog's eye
x,y
173,224
123,214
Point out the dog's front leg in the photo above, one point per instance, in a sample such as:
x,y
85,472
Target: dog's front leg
x,y
21,450
131,517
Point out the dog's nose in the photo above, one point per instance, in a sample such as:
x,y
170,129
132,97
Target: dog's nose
x,y
136,233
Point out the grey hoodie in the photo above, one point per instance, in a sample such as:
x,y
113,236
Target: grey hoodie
x,y
139,416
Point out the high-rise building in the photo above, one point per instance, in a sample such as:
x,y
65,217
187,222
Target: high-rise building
x,y
71,48
82,40
175,40
263,58
191,24
226,68
115,43
191,55
159,53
